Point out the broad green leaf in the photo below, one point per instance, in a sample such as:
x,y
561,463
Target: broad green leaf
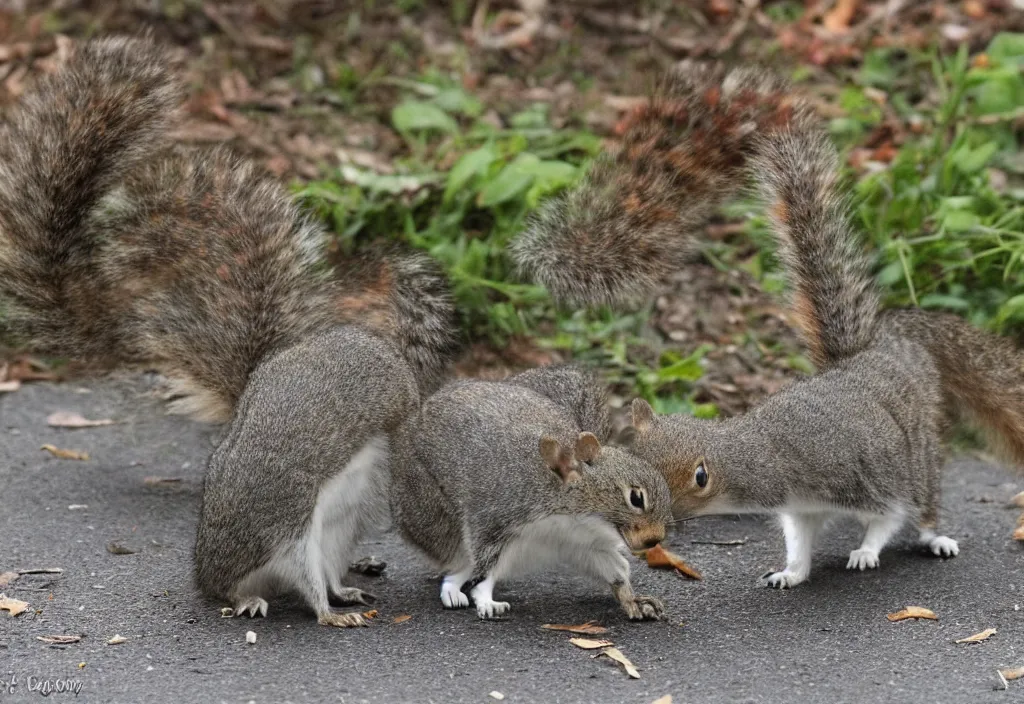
x,y
959,220
970,161
414,115
469,165
510,182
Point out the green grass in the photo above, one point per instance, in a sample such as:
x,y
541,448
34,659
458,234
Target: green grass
x,y
946,216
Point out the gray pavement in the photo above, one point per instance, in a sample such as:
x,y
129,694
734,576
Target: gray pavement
x,y
728,639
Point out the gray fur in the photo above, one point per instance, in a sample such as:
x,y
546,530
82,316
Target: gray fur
x,y
468,477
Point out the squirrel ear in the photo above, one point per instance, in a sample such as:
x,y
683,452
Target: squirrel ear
x,y
643,415
588,447
558,459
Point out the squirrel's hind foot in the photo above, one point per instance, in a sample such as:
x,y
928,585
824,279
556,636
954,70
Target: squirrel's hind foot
x,y
342,620
645,608
350,596
253,605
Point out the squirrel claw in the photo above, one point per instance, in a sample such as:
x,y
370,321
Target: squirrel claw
x,y
351,596
492,609
253,605
645,608
783,580
342,620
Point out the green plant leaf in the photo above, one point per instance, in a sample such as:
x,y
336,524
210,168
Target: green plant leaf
x,y
414,115
969,161
510,182
469,165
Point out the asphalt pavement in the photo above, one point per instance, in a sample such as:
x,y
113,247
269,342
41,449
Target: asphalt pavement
x,y
728,639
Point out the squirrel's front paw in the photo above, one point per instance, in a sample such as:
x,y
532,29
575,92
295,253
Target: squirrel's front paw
x,y
862,559
491,609
342,620
783,580
645,608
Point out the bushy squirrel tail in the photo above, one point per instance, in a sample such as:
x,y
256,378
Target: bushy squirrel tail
x,y
63,148
982,374
635,217
113,246
835,299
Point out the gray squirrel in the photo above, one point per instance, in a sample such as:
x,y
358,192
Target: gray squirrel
x,y
497,479
864,436
117,247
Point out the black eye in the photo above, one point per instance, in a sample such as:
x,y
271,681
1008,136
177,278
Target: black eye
x,y
636,498
701,476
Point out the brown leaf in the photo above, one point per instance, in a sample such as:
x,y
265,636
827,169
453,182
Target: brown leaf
x,y
588,644
616,655
161,481
838,19
59,640
14,606
590,628
8,577
401,619
67,419
1012,674
978,637
65,454
660,558
913,612
1019,533
372,613
115,549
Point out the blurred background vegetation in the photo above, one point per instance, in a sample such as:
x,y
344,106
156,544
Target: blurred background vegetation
x,y
444,124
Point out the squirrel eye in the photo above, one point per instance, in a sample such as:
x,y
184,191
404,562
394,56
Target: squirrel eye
x,y
636,498
701,476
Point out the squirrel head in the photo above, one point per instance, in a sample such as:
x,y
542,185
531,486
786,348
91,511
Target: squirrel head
x,y
614,484
679,447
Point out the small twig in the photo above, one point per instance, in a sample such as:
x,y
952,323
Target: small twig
x,y
738,27
739,541
41,570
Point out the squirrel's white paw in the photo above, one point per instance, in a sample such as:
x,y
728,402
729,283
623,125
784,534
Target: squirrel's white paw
x,y
862,559
943,547
784,579
491,609
254,605
452,596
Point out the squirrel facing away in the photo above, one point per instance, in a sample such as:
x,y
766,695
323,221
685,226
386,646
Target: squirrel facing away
x,y
862,437
496,479
115,246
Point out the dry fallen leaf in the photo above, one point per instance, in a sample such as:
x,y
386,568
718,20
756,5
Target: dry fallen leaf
x,y
1019,533
8,386
372,613
1018,500
590,628
117,640
667,699
978,637
660,558
14,606
65,454
838,19
616,655
588,644
161,481
59,640
1012,674
913,612
115,549
401,619
8,577
67,419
